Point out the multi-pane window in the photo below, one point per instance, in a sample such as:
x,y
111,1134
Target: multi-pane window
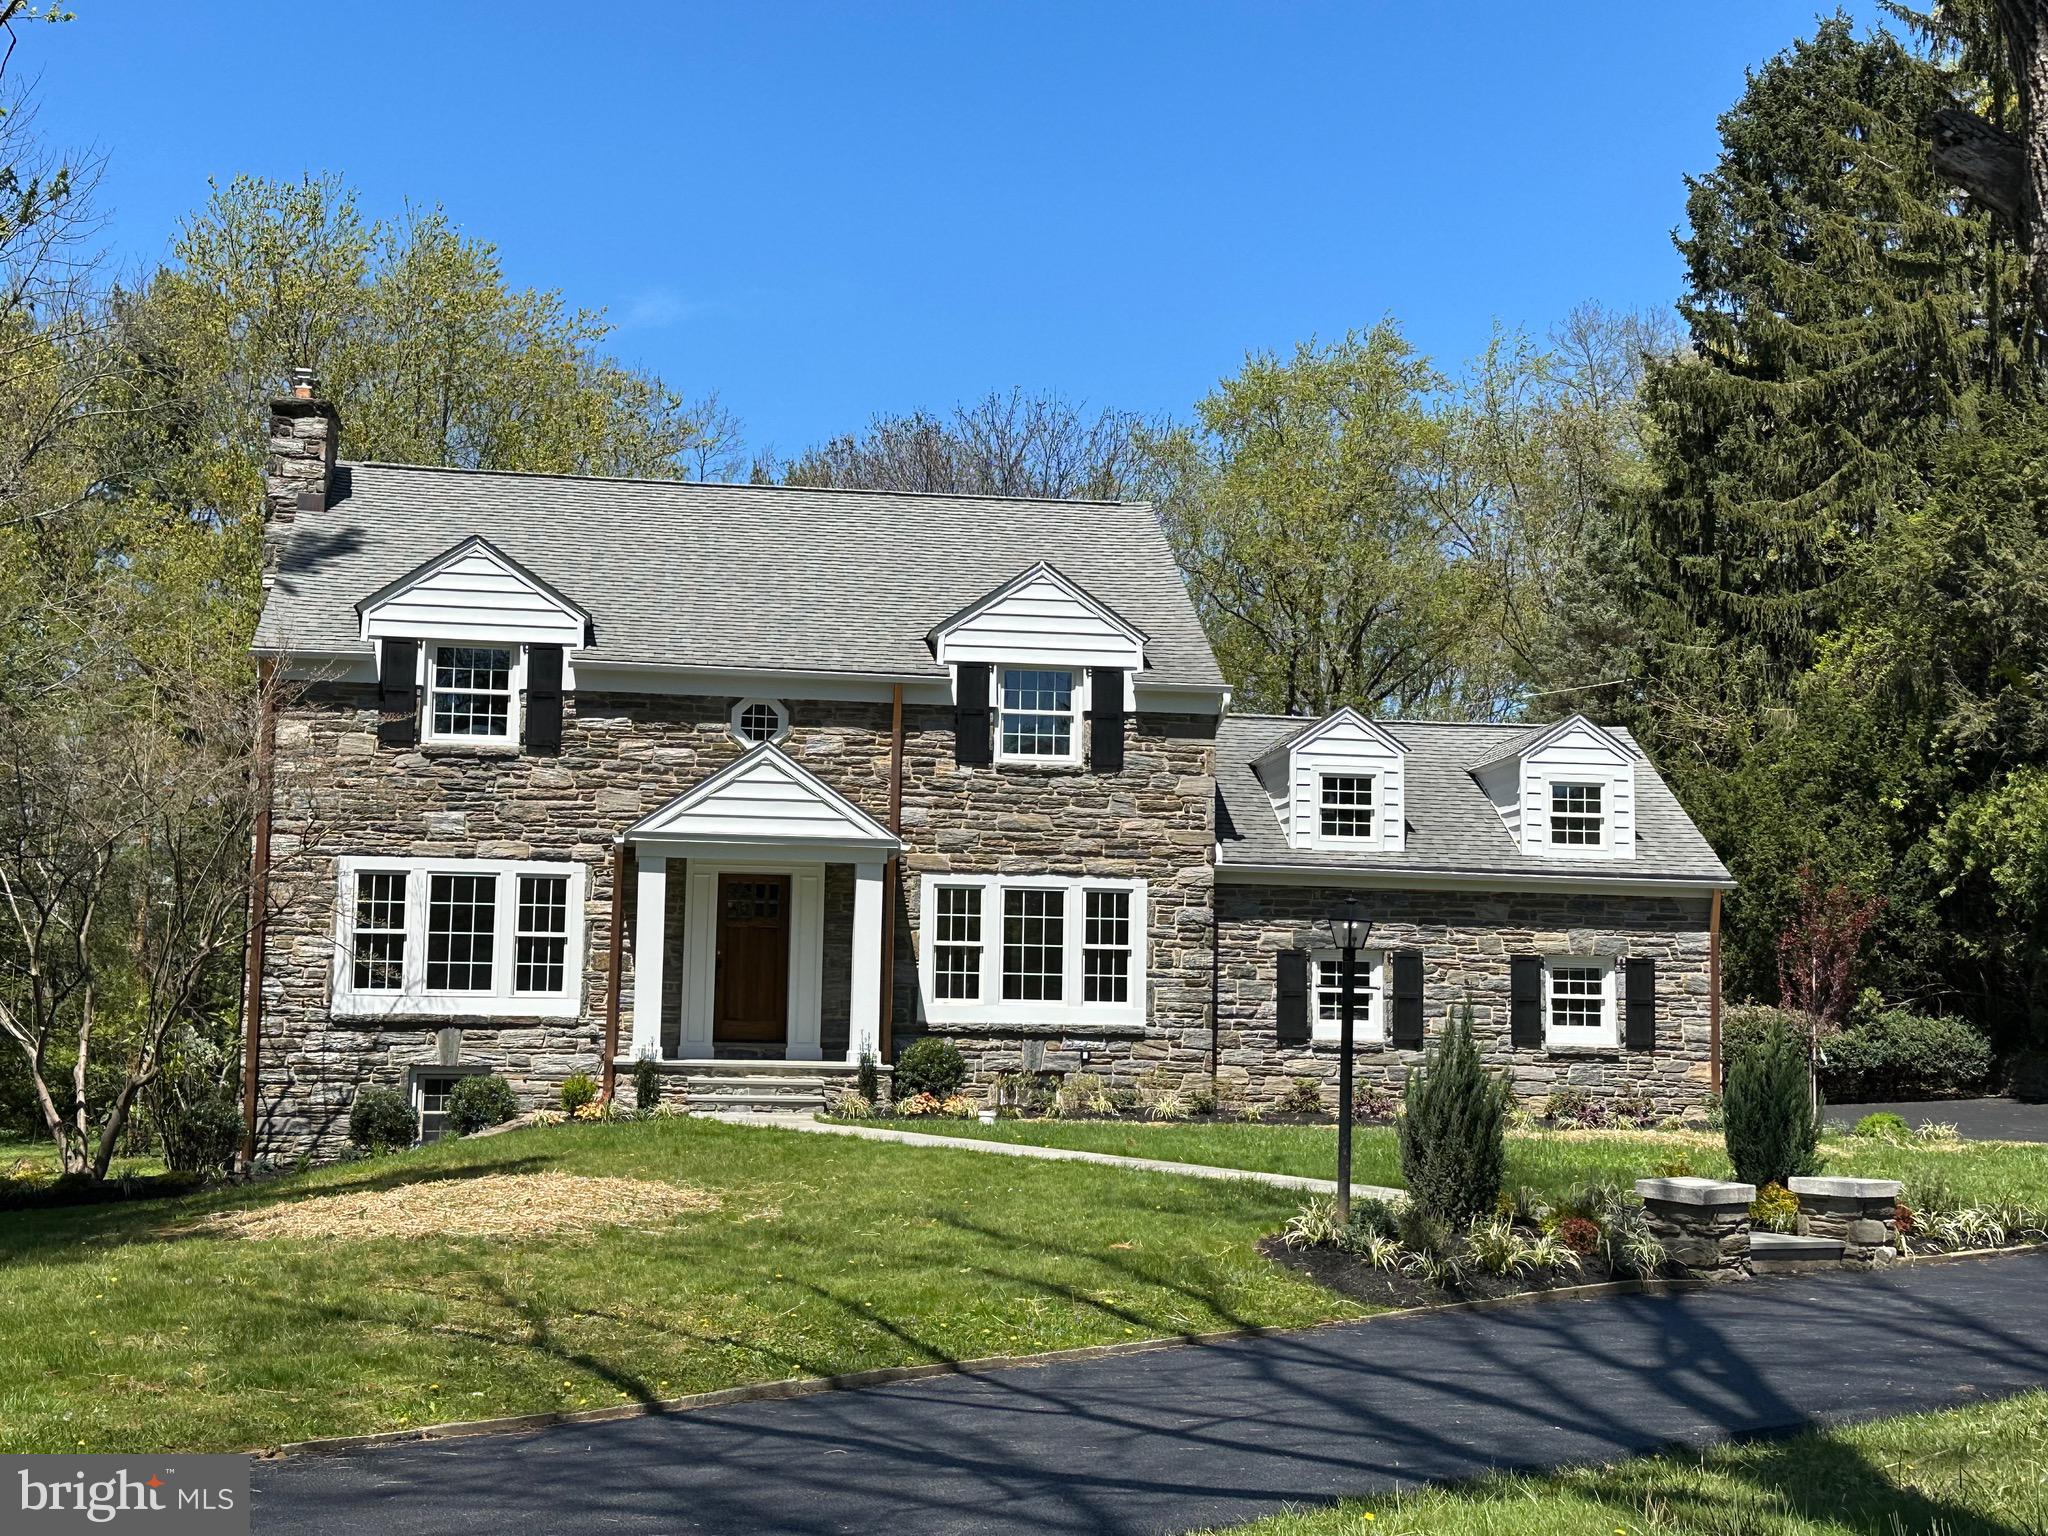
x,y
956,942
1034,944
1346,807
1367,1018
1579,1003
471,692
431,1092
1037,715
540,959
757,721
379,949
1576,816
461,932
1106,947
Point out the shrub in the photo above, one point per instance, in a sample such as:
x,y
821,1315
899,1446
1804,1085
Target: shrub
x,y
1771,1130
1371,1101
1746,1028
919,1104
1574,1107
1884,1126
1775,1209
1899,1054
192,1107
1304,1096
1082,1093
1580,1234
382,1120
958,1106
1126,1101
2029,1077
1454,1135
1169,1106
646,1084
851,1104
1201,1102
476,1103
867,1077
579,1089
930,1065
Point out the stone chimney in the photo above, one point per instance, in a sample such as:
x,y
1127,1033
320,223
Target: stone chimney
x,y
304,433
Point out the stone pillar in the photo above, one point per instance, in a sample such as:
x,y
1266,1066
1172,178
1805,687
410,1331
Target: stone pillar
x,y
1861,1214
1702,1223
864,1007
650,924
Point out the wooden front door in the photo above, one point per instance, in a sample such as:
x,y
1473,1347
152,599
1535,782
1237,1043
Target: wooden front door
x,y
753,958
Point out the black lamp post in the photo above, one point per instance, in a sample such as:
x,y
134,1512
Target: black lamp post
x,y
1349,930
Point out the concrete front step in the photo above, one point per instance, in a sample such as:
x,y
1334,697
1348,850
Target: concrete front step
x,y
1777,1252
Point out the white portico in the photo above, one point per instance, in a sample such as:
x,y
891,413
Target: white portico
x,y
756,848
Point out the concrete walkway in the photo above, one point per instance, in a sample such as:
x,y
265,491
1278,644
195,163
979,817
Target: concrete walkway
x,y
1059,1154
1201,1435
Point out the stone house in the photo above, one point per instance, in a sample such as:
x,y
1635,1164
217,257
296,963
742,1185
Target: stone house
x,y
563,773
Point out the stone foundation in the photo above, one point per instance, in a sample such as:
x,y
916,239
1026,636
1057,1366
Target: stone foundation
x,y
1860,1214
1702,1223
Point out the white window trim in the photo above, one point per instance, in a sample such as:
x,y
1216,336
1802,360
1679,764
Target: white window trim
x,y
413,1000
1324,839
1369,1027
740,708
990,1007
515,713
1607,1035
1550,847
1077,710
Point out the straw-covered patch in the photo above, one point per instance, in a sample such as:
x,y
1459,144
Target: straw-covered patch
x,y
492,1205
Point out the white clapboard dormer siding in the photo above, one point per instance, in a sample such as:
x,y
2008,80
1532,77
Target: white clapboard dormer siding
x,y
1041,619
1574,755
1348,747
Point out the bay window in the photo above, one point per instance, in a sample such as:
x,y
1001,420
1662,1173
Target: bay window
x,y
1024,948
440,937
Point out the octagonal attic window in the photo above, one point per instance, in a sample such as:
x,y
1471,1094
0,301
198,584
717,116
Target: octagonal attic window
x,y
757,720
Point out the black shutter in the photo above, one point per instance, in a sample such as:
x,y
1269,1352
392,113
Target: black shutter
x,y
1106,720
1525,1000
1293,1016
1407,1035
398,699
971,743
543,698
1641,994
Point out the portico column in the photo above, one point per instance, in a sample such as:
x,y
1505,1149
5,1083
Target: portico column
x,y
650,939
864,1017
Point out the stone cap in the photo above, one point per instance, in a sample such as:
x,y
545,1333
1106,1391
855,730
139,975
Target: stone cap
x,y
1846,1189
1696,1191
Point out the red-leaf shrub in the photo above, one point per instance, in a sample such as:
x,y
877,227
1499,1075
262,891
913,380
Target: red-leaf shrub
x,y
1579,1234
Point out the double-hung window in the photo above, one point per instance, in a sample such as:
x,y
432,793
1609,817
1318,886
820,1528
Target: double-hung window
x,y
472,693
1032,949
1345,811
442,937
1368,1007
1578,818
1038,719
1578,1002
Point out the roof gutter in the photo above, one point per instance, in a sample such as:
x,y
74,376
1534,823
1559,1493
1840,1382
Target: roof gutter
x,y
1467,880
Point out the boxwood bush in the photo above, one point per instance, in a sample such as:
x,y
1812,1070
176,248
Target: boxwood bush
x,y
1898,1054
930,1065
382,1120
477,1103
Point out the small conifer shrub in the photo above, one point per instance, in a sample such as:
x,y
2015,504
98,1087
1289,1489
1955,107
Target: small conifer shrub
x,y
1454,1134
1768,1118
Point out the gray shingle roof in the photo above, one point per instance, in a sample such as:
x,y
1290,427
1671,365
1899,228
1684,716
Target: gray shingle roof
x,y
732,575
1452,826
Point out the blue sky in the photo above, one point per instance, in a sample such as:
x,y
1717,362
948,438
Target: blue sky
x,y
825,211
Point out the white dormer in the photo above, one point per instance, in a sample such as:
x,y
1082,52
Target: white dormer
x,y
1040,619
1339,786
473,593
1566,792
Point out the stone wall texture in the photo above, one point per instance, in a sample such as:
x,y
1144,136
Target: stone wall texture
x,y
1466,939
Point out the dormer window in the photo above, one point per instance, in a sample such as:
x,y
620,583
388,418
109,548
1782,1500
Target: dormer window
x,y
473,693
1037,721
1346,806
1577,815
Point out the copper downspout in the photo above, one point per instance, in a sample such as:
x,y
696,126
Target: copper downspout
x,y
617,948
1714,993
890,871
259,906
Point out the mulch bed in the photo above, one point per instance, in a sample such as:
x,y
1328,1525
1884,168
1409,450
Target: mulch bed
x,y
1350,1276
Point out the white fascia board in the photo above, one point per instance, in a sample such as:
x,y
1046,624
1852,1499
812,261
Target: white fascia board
x,y
1180,698
1466,880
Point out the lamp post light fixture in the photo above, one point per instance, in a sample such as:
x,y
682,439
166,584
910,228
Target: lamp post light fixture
x,y
1348,929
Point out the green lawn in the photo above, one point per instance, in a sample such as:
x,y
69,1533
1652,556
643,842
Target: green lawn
x,y
34,1160
123,1331
1978,1471
1549,1161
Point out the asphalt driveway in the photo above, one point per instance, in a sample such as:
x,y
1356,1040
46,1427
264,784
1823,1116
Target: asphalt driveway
x,y
1974,1119
1186,1437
